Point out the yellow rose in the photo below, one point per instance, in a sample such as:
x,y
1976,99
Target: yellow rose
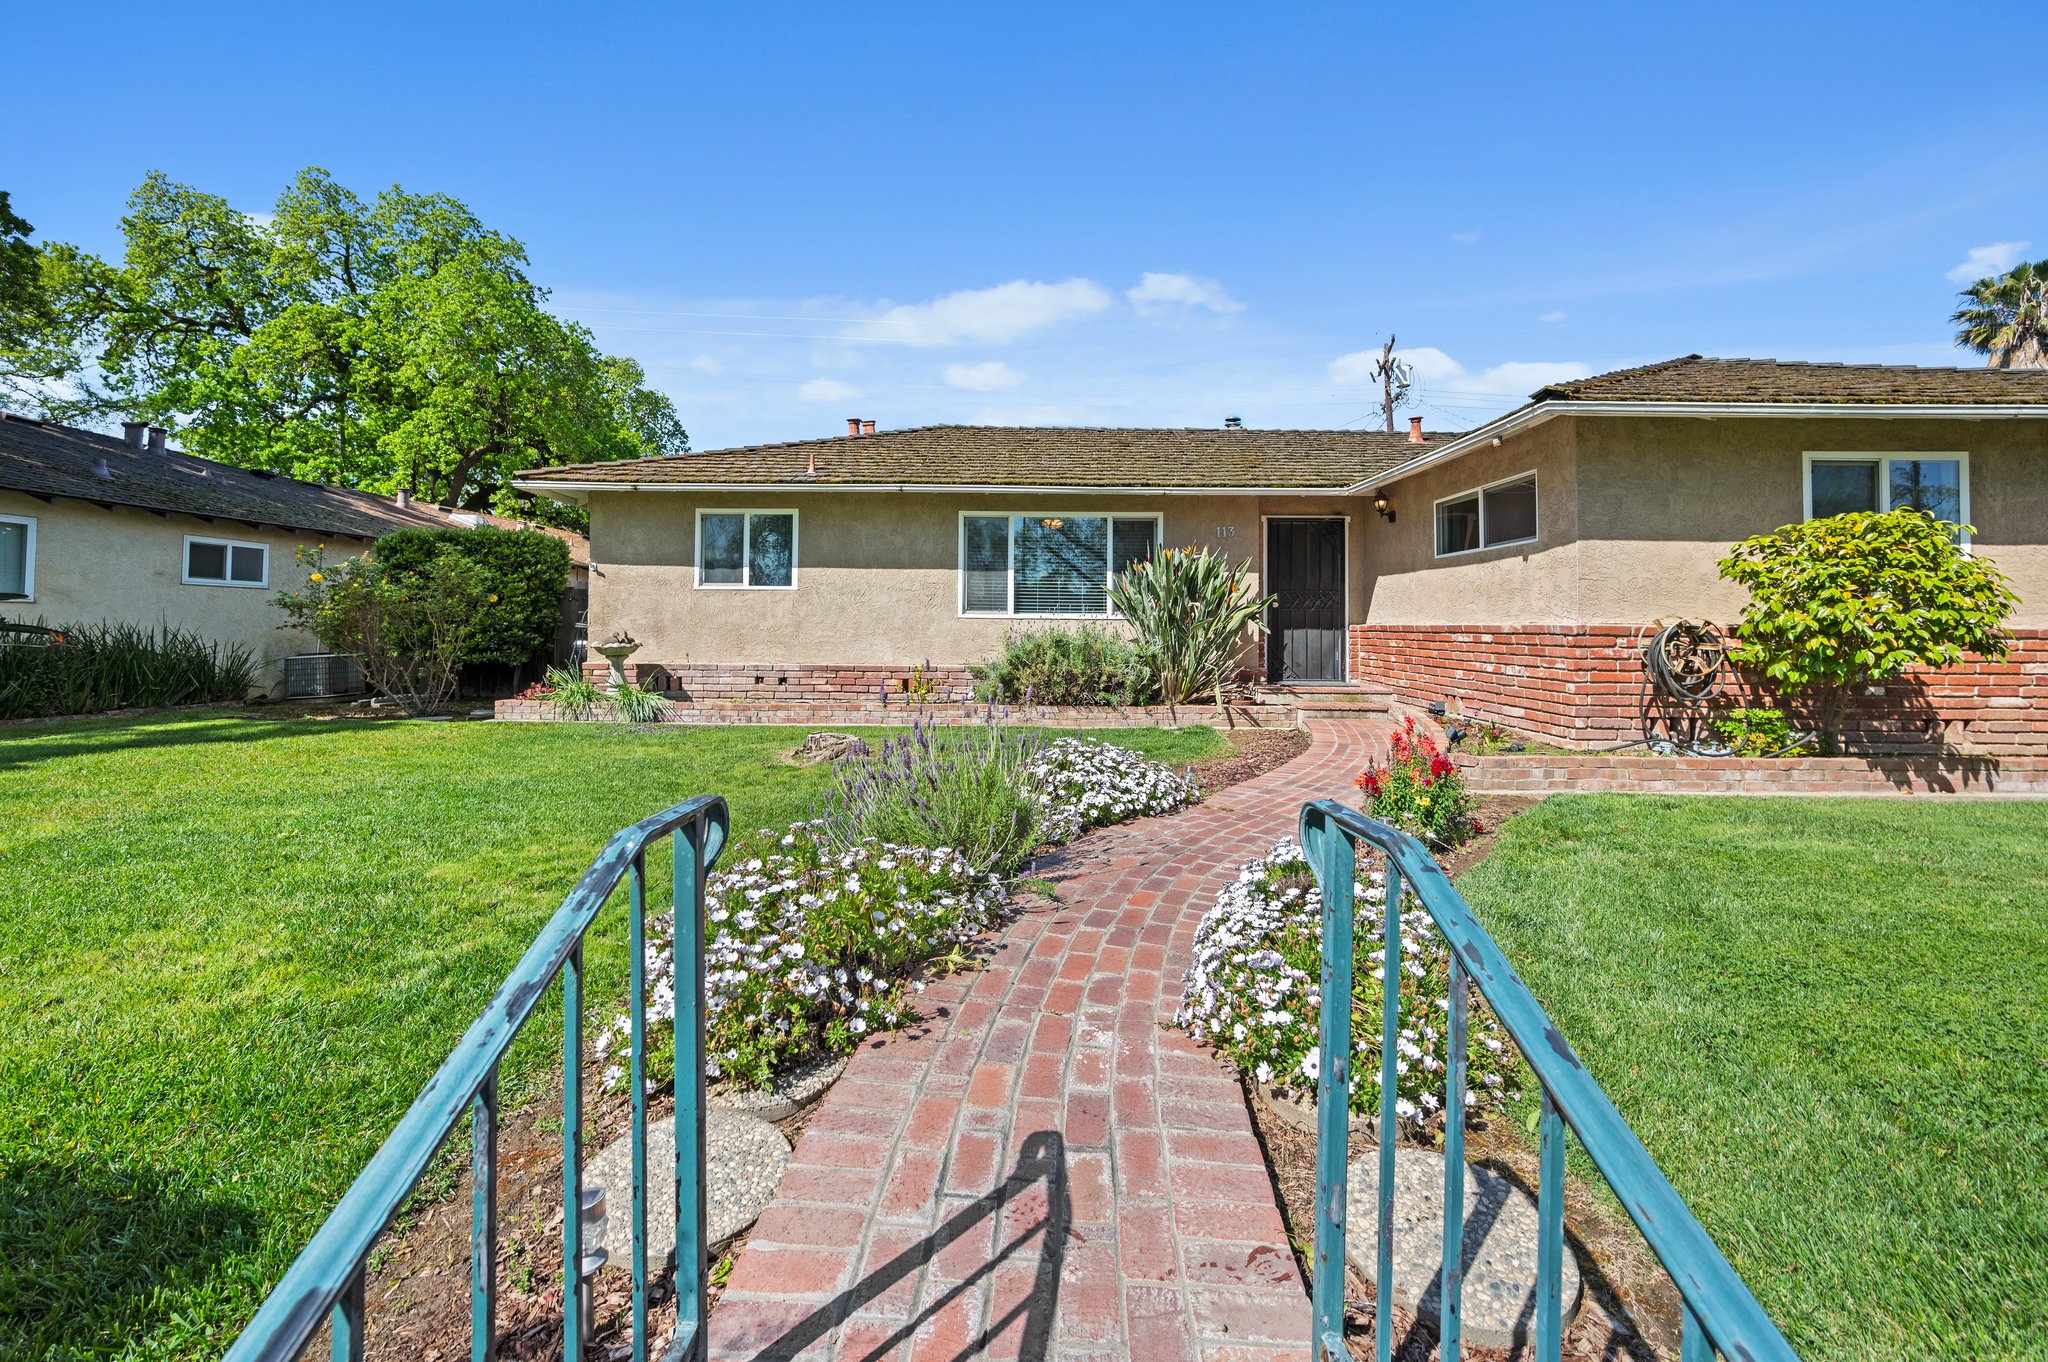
x,y
316,577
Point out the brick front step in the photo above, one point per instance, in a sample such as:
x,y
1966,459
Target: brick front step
x,y
1617,773
820,713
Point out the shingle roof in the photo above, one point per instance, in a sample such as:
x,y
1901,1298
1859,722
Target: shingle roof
x,y
1025,456
48,460
1693,378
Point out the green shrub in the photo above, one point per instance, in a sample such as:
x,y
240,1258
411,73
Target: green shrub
x,y
407,631
636,705
119,666
1190,610
1065,666
1758,733
1419,790
963,787
524,570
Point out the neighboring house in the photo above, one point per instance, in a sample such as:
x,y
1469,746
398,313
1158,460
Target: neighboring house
x,y
96,527
1509,568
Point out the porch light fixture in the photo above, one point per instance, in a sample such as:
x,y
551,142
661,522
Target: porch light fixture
x,y
1383,506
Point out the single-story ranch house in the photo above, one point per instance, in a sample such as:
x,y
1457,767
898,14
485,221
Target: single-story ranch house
x,y
102,528
1509,568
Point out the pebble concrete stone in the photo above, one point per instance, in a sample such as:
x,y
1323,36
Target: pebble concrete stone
x,y
744,1160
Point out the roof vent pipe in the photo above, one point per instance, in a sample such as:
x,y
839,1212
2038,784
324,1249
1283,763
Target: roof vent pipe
x,y
1415,430
1233,423
867,427
852,427
131,433
101,470
402,498
157,435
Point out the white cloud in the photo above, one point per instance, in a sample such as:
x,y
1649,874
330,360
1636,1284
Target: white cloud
x,y
1552,317
827,390
986,316
1466,238
987,376
1159,292
1438,372
1985,261
708,364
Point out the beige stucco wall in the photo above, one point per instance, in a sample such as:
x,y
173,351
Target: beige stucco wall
x,y
1662,499
94,564
1534,583
877,573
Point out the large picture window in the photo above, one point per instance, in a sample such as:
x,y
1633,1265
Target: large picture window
x,y
746,548
226,562
1048,564
1938,484
1487,517
17,558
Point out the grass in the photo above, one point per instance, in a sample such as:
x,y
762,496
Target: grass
x,y
234,948
1826,1020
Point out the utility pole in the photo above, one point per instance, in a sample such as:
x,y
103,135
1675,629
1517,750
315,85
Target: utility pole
x,y
1394,376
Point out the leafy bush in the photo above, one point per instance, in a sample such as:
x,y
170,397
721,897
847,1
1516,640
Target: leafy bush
x,y
1190,610
406,631
1078,785
1852,599
570,690
525,571
92,667
1253,994
812,946
958,787
636,704
1065,666
1758,733
1419,790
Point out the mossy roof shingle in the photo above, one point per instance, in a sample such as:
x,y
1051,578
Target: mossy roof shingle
x,y
1694,378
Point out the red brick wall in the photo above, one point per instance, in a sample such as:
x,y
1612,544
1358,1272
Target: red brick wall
x,y
1629,773
1583,685
701,682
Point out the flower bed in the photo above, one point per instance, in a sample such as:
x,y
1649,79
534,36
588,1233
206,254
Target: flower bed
x,y
1254,994
1420,790
1078,784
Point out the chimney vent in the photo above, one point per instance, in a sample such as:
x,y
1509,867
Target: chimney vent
x,y
402,498
1415,430
852,427
131,433
1233,423
157,435
867,427
100,469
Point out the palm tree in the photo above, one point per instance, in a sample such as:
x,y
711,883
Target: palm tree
x,y
2007,318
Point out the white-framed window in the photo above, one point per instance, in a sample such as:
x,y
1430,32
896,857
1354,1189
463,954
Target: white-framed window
x,y
17,557
742,549
226,562
1489,517
1937,483
1046,563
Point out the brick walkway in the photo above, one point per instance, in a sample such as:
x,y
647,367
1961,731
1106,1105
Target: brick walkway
x,y
1043,1170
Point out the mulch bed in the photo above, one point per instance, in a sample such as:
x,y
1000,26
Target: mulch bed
x,y
1631,1309
1255,752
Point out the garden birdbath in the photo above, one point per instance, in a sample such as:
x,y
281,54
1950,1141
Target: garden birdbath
x,y
616,654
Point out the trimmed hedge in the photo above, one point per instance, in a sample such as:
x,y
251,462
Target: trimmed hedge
x,y
528,572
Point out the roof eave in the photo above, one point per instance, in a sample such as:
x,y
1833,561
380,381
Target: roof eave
x,y
1536,413
576,492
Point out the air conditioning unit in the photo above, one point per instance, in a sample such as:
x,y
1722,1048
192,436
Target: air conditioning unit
x,y
314,676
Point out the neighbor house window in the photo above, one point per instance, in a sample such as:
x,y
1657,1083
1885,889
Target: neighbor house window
x,y
1938,484
1487,517
746,548
226,562
1048,564
17,558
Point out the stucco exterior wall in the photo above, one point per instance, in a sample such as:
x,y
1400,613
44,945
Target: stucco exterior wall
x,y
93,564
1662,499
1534,583
877,577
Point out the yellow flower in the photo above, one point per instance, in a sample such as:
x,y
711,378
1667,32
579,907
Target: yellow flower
x,y
494,598
316,577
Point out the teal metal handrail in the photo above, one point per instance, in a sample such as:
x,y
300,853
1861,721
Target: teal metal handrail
x,y
1719,1311
326,1279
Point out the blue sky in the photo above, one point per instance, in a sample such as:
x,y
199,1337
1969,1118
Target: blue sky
x,y
1106,214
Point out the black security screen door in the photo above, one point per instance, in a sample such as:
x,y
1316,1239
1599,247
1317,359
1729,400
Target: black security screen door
x,y
1305,571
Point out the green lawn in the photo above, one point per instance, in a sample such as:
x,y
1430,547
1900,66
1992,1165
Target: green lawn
x,y
233,949
1826,1020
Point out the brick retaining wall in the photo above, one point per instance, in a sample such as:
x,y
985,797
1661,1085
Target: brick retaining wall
x,y
781,683
1622,773
829,714
1583,685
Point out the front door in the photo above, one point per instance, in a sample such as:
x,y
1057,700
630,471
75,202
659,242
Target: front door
x,y
1305,574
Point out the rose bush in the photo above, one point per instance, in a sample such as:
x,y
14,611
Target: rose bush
x,y
1254,994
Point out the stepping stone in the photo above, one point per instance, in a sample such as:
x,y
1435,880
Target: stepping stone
x,y
744,1158
789,1094
1498,1301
